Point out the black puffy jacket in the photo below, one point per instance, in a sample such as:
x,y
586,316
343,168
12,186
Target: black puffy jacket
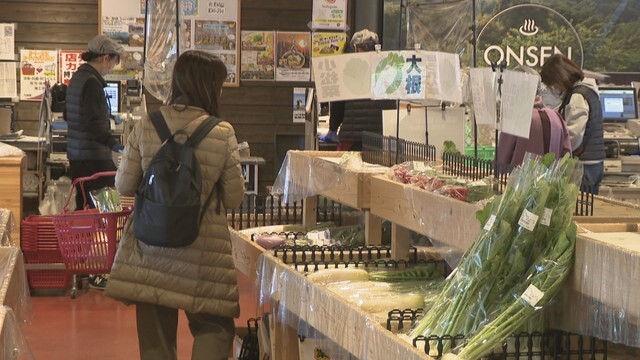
x,y
356,116
87,114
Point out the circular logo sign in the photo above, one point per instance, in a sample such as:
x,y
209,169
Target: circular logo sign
x,y
528,35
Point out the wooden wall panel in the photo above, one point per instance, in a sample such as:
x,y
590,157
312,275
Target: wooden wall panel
x,y
258,110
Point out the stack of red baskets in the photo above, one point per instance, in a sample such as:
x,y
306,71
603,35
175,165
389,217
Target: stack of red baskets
x,y
39,244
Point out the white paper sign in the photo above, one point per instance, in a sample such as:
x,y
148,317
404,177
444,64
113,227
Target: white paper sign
x,y
546,217
518,95
8,80
489,224
528,220
484,96
443,125
443,76
7,42
532,295
343,77
399,75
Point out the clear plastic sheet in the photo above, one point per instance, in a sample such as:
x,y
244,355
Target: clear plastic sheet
x,y
525,240
7,224
338,175
601,297
14,290
56,196
341,329
9,150
13,344
160,46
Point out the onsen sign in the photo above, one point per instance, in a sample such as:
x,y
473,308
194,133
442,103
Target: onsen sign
x,y
528,35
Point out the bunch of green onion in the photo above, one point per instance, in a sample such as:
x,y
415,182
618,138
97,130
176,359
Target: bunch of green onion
x,y
507,254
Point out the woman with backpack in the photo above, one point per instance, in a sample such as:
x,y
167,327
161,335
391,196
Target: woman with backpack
x,y
198,278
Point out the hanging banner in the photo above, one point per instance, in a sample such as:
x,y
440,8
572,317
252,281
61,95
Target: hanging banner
x,y
398,75
343,77
327,43
36,67
329,15
7,42
293,56
258,55
70,61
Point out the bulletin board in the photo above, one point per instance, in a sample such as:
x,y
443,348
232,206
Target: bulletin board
x,y
211,26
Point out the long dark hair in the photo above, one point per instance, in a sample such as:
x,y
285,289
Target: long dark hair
x,y
560,70
197,81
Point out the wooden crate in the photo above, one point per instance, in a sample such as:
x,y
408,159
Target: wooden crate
x,y
319,172
11,169
449,221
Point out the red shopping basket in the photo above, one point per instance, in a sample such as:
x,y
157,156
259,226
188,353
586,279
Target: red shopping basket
x,y
88,238
39,245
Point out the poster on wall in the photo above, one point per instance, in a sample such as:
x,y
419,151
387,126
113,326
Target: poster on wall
x,y
293,57
299,104
258,55
211,26
329,15
123,21
327,43
8,80
70,61
7,42
36,67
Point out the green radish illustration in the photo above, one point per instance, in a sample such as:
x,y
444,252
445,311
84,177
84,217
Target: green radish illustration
x,y
390,68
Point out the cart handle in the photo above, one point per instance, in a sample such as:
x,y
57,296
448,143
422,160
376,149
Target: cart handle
x,y
81,181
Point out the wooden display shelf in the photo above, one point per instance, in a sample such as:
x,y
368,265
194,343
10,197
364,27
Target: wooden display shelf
x,y
11,170
319,173
448,221
359,333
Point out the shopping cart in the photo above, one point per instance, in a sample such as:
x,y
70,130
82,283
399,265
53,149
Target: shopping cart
x,y
88,238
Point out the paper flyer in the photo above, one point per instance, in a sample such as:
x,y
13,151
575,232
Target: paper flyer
x,y
299,104
70,61
8,80
327,43
518,96
258,55
293,56
329,15
7,42
343,77
36,67
128,31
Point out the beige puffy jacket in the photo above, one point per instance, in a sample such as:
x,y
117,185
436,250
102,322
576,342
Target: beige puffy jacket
x,y
199,278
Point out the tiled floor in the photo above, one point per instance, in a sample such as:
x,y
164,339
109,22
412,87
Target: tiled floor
x,y
95,327
92,326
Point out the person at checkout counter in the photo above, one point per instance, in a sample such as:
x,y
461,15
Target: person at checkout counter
x,y
89,140
548,132
355,116
582,113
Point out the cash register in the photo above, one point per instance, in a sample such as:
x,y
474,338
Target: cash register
x,y
621,129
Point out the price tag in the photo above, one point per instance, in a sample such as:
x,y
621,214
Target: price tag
x,y
489,224
319,238
418,166
546,217
532,295
528,220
